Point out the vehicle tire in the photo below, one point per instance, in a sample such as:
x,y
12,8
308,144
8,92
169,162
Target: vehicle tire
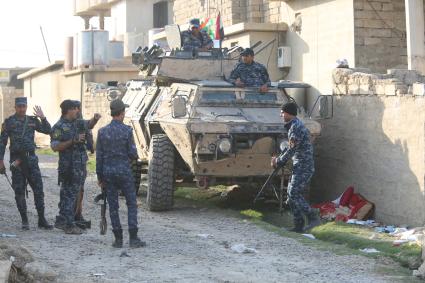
x,y
160,174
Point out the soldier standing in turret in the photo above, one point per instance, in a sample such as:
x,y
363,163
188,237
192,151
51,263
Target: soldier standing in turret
x,y
195,38
20,129
249,73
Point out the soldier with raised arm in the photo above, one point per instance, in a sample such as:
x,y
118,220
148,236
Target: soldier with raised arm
x,y
20,129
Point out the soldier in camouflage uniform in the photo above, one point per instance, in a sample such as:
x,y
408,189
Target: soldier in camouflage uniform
x,y
69,141
115,148
196,39
249,73
88,125
20,128
301,151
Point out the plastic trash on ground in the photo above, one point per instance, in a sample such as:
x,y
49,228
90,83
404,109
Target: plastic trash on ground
x,y
311,236
369,250
242,249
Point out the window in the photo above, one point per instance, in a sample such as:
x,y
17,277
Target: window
x,y
160,14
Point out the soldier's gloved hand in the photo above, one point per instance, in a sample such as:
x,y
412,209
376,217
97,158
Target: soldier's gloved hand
x,y
273,162
38,112
239,83
264,88
2,168
97,116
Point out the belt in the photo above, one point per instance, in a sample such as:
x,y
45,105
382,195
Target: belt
x,y
26,153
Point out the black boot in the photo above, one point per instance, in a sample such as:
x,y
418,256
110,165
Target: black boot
x,y
298,227
25,224
42,222
72,229
118,238
60,222
135,241
313,220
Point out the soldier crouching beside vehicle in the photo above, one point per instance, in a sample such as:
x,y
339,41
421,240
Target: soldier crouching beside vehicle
x,y
67,139
115,148
20,128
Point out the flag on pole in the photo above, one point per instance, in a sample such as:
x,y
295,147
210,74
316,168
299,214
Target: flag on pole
x,y
219,29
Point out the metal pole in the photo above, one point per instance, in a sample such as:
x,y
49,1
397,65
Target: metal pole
x,y
45,45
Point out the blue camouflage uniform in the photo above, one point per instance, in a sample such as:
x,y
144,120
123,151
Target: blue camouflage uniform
x,y
72,167
301,151
21,131
115,148
252,75
190,41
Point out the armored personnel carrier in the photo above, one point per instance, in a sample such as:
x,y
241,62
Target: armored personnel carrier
x,y
190,123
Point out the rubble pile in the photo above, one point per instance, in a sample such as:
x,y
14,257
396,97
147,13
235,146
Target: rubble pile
x,y
361,81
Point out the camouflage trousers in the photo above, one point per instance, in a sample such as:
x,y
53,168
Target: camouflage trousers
x,y
69,191
125,183
19,184
296,200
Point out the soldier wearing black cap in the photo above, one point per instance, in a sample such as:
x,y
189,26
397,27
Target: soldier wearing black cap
x,y
115,148
87,126
195,38
20,129
69,142
301,151
249,73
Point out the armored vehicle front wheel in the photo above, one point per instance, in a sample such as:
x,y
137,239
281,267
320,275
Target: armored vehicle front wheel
x,y
161,174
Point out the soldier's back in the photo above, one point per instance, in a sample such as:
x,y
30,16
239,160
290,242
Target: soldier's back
x,y
114,140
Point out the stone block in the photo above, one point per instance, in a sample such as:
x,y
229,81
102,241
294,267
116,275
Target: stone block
x,y
340,75
353,89
407,77
418,89
5,266
340,89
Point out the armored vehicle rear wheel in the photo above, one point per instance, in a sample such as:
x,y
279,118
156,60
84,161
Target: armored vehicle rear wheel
x,y
161,174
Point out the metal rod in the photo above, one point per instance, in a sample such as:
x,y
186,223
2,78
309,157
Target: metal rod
x,y
45,45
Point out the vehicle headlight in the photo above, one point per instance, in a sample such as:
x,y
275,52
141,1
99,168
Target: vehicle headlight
x,y
225,145
284,144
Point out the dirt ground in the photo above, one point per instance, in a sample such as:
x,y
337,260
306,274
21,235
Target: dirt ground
x,y
188,244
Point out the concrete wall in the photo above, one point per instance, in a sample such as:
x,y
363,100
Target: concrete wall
x,y
7,101
132,20
375,143
327,34
97,104
380,34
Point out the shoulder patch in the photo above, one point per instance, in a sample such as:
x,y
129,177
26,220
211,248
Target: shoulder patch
x,y
56,133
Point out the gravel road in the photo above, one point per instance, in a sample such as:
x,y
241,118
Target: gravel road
x,y
188,244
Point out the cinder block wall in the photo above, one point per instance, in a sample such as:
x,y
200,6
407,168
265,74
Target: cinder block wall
x,y
380,34
232,12
97,104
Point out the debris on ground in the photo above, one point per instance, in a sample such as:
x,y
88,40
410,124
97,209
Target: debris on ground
x,y
311,236
204,236
124,254
348,206
5,266
23,267
369,250
242,249
7,236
